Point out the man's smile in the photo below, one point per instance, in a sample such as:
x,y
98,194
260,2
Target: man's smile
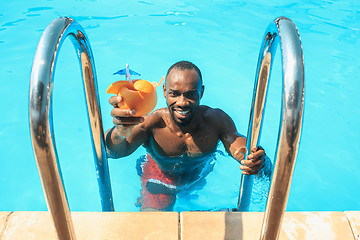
x,y
182,116
182,112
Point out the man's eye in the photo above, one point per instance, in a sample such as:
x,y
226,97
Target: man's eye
x,y
172,94
190,95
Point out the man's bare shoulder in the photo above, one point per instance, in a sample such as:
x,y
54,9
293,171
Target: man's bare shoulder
x,y
155,119
158,114
218,119
213,114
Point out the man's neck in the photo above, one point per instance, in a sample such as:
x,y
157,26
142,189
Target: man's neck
x,y
179,130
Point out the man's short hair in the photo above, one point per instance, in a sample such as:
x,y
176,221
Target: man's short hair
x,y
185,65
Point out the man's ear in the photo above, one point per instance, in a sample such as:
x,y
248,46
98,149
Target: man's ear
x,y
164,90
202,91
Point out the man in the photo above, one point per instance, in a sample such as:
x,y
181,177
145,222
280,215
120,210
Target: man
x,y
179,139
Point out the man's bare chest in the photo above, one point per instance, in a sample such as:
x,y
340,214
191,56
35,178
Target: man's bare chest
x,y
167,143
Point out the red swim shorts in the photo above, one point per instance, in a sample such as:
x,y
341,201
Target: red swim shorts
x,y
157,188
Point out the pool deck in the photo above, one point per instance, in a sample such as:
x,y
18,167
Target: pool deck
x,y
184,225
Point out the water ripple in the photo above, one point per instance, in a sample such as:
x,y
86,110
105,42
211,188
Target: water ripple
x,y
145,3
175,23
80,18
158,15
36,9
169,13
92,26
33,15
336,25
8,24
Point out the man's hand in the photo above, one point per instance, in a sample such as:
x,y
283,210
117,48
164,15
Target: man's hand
x,y
124,138
123,119
254,162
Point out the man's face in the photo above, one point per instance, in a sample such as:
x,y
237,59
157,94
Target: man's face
x,y
183,91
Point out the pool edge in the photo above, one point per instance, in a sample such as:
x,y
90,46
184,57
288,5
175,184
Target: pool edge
x,y
184,225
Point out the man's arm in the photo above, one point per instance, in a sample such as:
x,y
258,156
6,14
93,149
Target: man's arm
x,y
128,133
235,145
117,145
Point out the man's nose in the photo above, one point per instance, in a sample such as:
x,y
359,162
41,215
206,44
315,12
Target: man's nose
x,y
182,101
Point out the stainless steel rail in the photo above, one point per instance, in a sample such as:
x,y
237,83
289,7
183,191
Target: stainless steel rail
x,y
284,31
41,124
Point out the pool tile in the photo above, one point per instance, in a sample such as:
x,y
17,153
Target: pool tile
x,y
3,221
93,225
354,220
296,225
29,225
127,225
220,225
316,225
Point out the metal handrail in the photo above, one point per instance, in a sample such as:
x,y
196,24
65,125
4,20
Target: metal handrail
x,y
281,30
41,123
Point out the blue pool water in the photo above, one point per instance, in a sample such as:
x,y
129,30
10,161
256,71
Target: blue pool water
x,y
223,38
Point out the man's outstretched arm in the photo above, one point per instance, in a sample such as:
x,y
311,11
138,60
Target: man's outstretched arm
x,y
128,133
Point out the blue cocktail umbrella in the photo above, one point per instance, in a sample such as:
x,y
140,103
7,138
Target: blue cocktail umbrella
x,y
127,72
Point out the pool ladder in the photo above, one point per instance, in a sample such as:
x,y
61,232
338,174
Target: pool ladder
x,y
281,30
41,123
42,134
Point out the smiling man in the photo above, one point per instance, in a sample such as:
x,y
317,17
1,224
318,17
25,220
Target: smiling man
x,y
180,139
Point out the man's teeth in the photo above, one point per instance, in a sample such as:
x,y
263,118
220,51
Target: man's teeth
x,y
183,112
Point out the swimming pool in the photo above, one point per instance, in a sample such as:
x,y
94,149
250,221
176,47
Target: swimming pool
x,y
223,38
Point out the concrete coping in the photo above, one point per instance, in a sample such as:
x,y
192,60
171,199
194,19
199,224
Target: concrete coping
x,y
184,225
